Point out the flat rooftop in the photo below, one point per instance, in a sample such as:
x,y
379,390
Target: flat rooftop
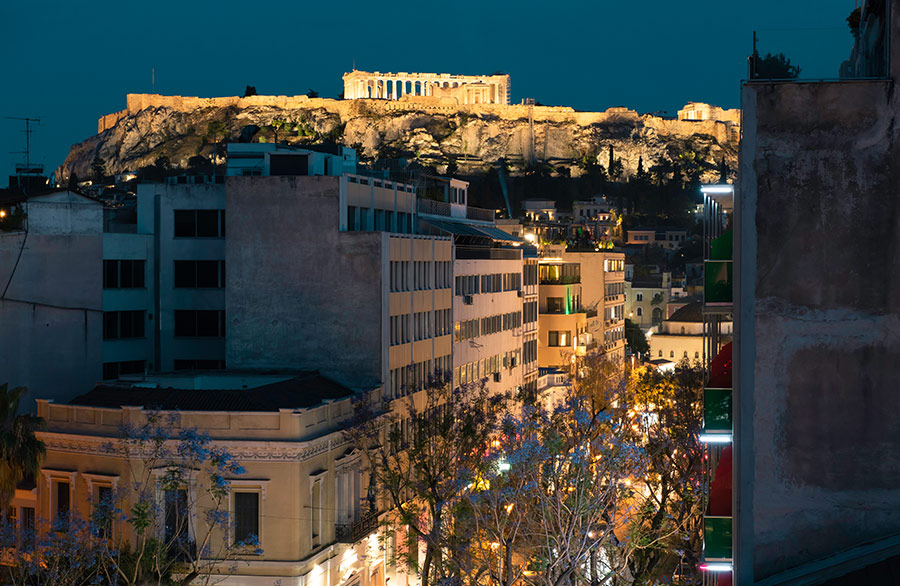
x,y
216,391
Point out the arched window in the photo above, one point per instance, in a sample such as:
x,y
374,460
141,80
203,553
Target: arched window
x,y
671,353
640,311
682,329
696,355
639,296
685,353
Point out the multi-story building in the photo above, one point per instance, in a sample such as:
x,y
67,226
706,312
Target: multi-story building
x,y
488,305
178,278
562,319
302,494
811,477
646,298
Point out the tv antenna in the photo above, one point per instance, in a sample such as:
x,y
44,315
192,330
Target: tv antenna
x,y
27,168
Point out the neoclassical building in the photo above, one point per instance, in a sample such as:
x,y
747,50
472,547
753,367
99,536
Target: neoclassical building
x,y
466,89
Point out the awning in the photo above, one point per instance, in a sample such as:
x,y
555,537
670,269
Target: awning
x,y
466,229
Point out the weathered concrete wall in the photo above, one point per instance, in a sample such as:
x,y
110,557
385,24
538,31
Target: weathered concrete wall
x,y
819,327
301,294
51,316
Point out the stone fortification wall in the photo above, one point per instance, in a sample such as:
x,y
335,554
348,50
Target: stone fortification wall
x,y
723,131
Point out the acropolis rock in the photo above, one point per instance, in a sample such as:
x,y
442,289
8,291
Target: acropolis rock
x,y
433,130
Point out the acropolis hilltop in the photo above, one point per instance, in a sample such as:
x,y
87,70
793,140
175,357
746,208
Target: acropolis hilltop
x,y
465,89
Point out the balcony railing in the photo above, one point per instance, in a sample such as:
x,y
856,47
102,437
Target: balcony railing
x,y
717,539
351,533
433,207
566,280
479,214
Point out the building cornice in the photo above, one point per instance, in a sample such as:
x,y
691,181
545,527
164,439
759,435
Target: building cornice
x,y
241,450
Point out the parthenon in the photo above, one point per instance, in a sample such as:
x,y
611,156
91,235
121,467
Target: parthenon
x,y
466,89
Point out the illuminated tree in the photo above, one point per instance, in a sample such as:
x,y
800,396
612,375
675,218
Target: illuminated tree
x,y
665,415
422,452
553,501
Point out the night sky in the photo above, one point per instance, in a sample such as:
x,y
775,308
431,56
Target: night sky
x,y
71,62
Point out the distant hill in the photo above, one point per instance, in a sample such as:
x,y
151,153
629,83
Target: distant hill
x,y
430,131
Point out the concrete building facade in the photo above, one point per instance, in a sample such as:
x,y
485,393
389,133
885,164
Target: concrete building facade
x,y
816,304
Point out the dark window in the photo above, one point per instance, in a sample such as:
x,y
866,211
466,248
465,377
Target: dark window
x,y
555,304
207,223
123,324
110,274
200,223
200,274
123,274
103,511
185,223
199,323
62,506
208,274
284,164
246,516
176,519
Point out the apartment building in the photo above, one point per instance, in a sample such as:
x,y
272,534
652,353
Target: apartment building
x,y
646,299
302,493
489,291
562,319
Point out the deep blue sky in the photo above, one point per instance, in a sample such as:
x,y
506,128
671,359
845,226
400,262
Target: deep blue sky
x,y
70,62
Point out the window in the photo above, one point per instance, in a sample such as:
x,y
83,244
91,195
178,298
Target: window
x,y
63,505
671,353
639,296
123,324
246,517
639,311
199,223
559,339
696,355
176,527
682,329
660,353
315,505
200,274
555,304
103,506
113,370
123,274
191,323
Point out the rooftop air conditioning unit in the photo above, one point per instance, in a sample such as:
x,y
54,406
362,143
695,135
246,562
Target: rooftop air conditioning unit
x,y
468,299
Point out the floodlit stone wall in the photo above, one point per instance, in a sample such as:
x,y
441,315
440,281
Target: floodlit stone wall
x,y
723,131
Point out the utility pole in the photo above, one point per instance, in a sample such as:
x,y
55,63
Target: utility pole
x,y
27,151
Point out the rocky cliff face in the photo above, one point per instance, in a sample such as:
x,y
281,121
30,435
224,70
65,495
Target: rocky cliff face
x,y
434,134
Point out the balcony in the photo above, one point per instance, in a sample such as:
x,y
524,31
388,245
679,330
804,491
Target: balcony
x,y
351,533
717,422
479,214
563,280
717,541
